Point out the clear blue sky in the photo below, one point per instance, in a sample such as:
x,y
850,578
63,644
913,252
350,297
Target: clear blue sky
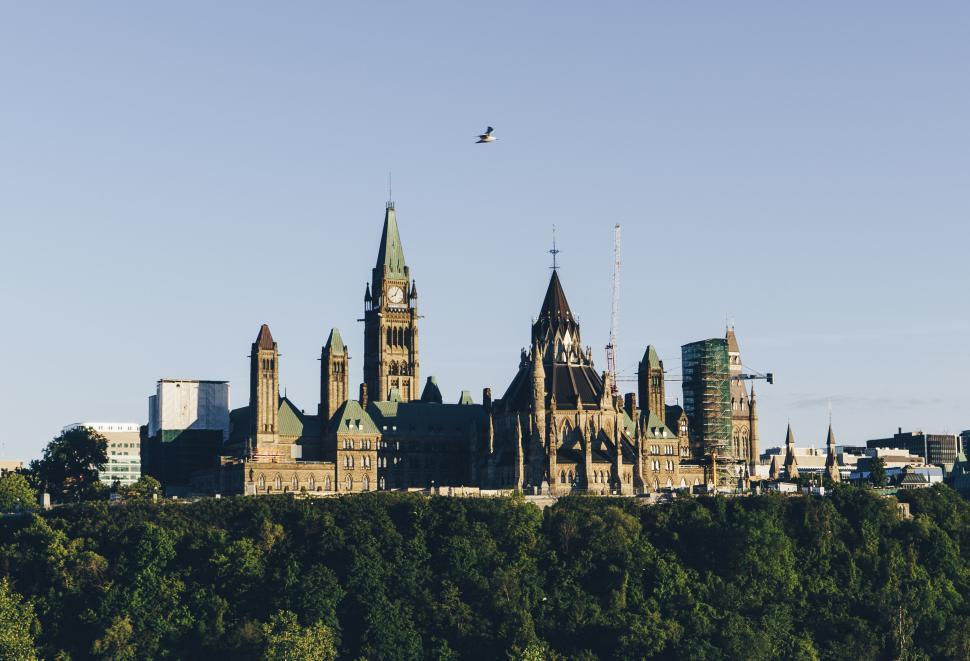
x,y
172,175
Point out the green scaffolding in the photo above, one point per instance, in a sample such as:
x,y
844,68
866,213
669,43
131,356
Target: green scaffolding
x,y
707,401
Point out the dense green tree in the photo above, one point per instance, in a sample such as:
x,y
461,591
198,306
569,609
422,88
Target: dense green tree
x,y
70,465
286,640
389,576
877,472
16,493
17,625
144,488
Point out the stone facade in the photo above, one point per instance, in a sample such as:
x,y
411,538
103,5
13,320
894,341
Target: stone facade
x,y
560,427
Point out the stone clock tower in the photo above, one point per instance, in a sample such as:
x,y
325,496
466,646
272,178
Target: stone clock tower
x,y
391,321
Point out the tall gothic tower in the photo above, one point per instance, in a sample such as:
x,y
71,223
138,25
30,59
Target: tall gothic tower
x,y
650,382
334,384
264,387
391,321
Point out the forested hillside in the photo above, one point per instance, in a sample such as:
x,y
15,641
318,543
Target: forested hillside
x,y
388,576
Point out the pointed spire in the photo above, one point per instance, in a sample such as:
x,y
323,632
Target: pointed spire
x,y
414,289
650,357
831,459
431,393
555,308
390,257
264,340
335,344
732,340
367,296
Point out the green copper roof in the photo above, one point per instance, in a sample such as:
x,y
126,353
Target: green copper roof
x,y
290,420
651,358
335,343
390,258
350,418
466,398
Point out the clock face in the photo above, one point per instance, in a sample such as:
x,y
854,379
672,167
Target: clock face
x,y
395,294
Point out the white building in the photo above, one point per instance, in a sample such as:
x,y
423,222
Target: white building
x,y
124,450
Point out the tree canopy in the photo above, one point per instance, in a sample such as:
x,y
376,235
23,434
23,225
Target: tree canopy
x,y
399,576
16,494
70,465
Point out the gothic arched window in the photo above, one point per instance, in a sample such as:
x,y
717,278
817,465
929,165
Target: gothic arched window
x,y
311,484
278,482
327,485
562,477
295,482
261,482
350,483
366,483
570,477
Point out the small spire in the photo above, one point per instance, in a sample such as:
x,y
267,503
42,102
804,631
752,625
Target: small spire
x,y
367,295
414,289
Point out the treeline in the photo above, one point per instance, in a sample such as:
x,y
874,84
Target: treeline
x,y
392,576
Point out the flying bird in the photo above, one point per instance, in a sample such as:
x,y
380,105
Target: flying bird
x,y
487,136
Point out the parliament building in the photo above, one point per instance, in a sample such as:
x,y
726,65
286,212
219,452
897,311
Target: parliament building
x,y
560,426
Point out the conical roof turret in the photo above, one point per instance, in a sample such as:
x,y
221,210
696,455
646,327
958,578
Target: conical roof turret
x,y
650,358
335,344
264,340
390,256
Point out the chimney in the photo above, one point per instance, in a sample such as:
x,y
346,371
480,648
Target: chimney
x,y
487,399
363,395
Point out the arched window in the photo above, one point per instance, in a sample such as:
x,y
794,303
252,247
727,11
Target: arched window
x,y
350,483
261,482
295,483
390,340
570,476
278,482
683,483
311,484
656,485
381,484
562,477
669,483
366,483
327,486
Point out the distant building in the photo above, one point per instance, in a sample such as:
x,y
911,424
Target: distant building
x,y
188,422
124,450
895,462
937,449
919,477
10,465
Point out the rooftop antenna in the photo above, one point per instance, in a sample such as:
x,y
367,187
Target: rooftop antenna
x,y
615,311
554,251
830,411
390,192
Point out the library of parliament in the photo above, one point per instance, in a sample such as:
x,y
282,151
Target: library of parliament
x,y
559,427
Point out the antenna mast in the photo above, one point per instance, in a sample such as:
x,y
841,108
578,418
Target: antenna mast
x,y
615,311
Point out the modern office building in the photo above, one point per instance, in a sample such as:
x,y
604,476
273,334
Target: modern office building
x,y
124,450
938,449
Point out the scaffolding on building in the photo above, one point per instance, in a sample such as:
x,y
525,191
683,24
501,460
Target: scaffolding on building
x,y
707,402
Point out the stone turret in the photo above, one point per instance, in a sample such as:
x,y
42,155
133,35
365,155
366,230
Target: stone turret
x,y
791,465
831,459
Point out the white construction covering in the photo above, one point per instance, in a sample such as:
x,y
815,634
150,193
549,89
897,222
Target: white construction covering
x,y
179,405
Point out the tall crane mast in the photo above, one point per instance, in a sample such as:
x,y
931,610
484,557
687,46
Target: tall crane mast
x,y
615,311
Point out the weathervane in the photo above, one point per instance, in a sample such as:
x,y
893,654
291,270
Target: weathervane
x,y
554,251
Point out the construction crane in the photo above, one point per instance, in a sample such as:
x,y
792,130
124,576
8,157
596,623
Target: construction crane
x,y
615,312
